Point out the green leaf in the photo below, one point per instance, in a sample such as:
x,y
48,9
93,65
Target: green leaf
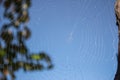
x,y
28,66
36,57
2,52
23,51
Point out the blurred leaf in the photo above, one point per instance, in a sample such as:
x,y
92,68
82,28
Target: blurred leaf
x,y
45,56
7,3
18,2
20,63
18,10
18,48
7,36
19,36
26,33
2,52
50,66
13,47
28,66
15,66
22,49
9,16
16,24
11,55
24,19
28,2
36,57
38,67
5,26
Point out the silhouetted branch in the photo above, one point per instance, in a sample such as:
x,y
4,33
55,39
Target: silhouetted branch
x,y
17,12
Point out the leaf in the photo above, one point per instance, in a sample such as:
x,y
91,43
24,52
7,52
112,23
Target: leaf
x,y
7,36
45,56
50,66
28,66
26,33
20,63
38,67
18,48
5,26
2,52
16,24
22,49
13,47
28,2
15,66
18,9
35,57
7,3
24,18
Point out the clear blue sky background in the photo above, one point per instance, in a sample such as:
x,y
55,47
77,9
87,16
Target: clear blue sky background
x,y
80,36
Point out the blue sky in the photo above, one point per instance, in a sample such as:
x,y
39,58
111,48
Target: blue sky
x,y
79,35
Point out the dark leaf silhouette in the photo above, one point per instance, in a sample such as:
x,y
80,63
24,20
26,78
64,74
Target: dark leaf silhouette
x,y
7,4
7,36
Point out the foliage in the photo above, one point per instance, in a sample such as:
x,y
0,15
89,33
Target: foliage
x,y
12,40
